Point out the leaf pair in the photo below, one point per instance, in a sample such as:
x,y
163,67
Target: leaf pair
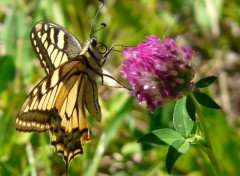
x,y
202,98
176,139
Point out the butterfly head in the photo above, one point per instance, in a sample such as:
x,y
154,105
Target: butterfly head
x,y
96,49
93,41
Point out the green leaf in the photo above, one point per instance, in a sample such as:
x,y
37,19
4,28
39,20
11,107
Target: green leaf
x,y
175,151
205,100
7,71
181,120
205,82
161,117
191,109
161,137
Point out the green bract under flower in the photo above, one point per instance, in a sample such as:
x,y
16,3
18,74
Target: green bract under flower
x,y
159,71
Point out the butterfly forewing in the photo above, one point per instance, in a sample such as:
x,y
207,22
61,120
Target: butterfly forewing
x,y
53,44
37,108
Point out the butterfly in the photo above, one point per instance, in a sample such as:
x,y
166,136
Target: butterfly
x,y
57,103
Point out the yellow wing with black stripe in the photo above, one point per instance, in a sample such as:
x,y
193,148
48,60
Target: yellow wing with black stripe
x,y
57,104
53,44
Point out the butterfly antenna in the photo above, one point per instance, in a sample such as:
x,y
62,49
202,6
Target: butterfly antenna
x,y
103,24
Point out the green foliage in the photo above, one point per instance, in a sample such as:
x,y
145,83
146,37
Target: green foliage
x,y
190,107
7,72
181,120
177,148
205,82
162,137
184,134
177,139
114,149
205,100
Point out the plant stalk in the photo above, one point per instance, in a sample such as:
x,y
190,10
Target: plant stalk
x,y
207,146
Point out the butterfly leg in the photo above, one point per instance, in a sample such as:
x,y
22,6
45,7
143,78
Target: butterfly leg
x,y
109,76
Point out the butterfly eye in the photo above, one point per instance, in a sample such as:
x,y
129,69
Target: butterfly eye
x,y
102,48
93,42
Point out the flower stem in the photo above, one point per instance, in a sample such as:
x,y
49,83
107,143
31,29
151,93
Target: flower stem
x,y
207,145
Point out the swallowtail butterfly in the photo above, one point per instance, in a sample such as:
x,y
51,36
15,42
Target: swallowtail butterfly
x,y
57,103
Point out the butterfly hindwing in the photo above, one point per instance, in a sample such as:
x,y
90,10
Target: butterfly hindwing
x,y
91,100
53,44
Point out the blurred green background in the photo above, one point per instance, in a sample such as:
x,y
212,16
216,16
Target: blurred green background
x,y
210,27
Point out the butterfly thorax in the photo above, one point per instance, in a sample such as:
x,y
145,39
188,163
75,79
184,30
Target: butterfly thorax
x,y
92,55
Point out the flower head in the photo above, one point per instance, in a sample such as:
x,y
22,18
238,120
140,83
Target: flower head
x,y
159,71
